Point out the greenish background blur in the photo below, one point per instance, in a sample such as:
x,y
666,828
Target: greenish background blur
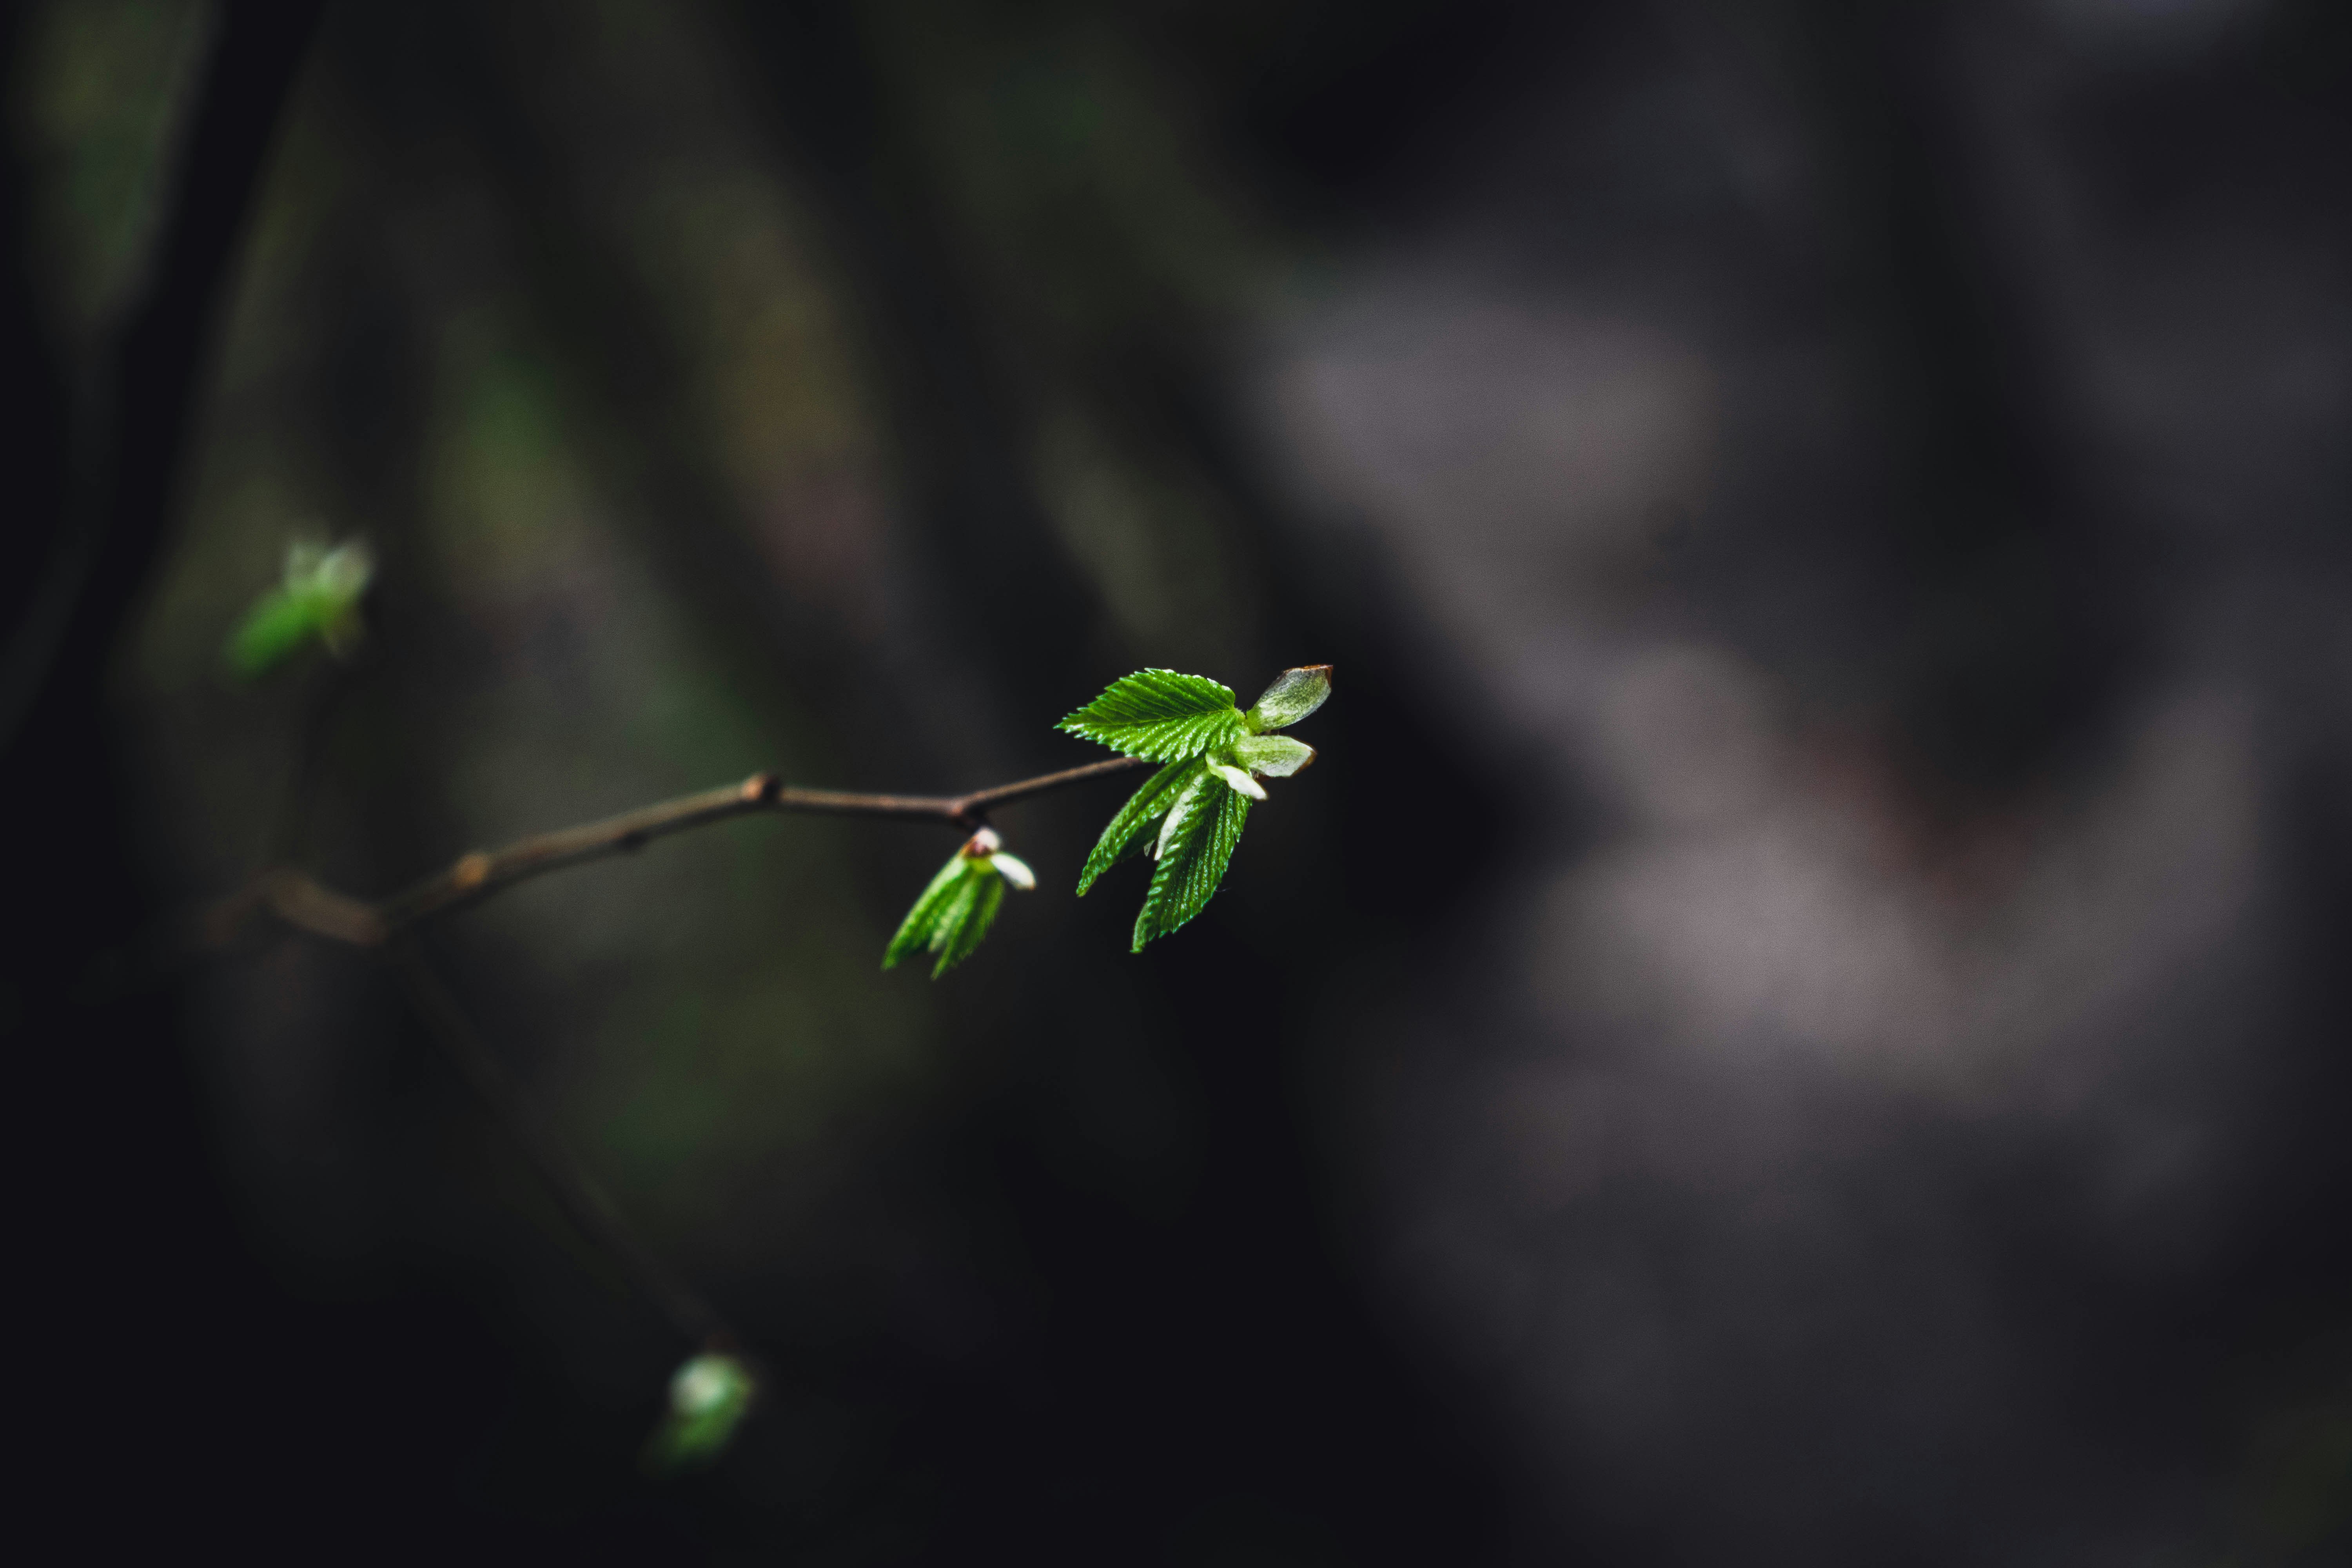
x,y
833,391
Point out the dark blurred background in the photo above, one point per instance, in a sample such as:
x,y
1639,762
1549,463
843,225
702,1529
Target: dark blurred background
x,y
1802,1016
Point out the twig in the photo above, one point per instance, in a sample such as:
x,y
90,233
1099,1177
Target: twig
x,y
300,900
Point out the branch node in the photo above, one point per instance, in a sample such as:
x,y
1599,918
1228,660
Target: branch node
x,y
470,871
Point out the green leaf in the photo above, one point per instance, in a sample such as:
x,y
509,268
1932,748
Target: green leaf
x,y
1132,828
1293,695
955,912
1194,847
921,930
280,626
709,1397
970,920
1161,715
1179,810
317,602
1272,756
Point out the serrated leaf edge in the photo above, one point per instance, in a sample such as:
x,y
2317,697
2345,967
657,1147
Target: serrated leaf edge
x,y
1128,830
1177,735
1193,862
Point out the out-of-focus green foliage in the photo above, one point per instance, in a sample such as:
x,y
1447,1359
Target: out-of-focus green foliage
x,y
955,912
101,92
1201,800
317,602
636,435
646,464
709,1397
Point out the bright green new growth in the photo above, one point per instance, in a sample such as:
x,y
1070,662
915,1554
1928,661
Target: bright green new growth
x,y
1195,848
317,602
956,911
1272,756
1159,714
1190,814
1138,822
1187,816
1293,695
709,1397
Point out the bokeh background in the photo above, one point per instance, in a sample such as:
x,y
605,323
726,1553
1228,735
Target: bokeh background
x,y
1803,1015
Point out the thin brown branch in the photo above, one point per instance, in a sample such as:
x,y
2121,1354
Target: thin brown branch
x,y
302,902
972,807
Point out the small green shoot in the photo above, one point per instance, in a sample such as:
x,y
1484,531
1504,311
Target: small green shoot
x,y
1190,814
1187,816
317,602
956,911
709,1397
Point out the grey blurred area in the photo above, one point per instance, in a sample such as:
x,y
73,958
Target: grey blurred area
x,y
1801,1015
1896,502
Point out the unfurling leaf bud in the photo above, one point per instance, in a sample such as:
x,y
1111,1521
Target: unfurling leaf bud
x,y
1272,756
956,911
1293,695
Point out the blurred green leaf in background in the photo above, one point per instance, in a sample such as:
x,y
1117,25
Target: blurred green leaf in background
x,y
709,1397
318,601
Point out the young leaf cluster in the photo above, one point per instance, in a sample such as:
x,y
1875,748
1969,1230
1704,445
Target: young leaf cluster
x,y
956,911
318,601
1189,816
